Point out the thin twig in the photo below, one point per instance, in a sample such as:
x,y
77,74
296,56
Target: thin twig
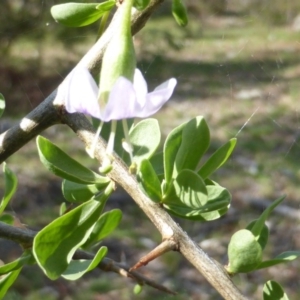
x,y
21,236
109,265
24,237
164,247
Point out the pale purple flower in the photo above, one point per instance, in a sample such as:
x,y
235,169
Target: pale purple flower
x,y
126,99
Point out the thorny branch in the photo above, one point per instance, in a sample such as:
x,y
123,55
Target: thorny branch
x,y
51,112
211,270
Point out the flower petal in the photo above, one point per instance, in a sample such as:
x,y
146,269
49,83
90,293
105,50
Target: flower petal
x,y
156,99
82,93
126,100
122,102
140,87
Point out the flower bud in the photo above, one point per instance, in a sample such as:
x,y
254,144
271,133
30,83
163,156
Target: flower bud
x,y
119,57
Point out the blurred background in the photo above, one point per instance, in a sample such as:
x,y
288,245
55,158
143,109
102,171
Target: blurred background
x,y
238,64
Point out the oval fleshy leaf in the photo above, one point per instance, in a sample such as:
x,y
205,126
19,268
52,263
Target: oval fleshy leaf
x,y
244,252
157,162
55,244
217,159
145,139
218,198
11,182
194,143
188,189
77,192
80,14
2,104
218,202
171,147
77,268
149,181
274,291
62,165
106,224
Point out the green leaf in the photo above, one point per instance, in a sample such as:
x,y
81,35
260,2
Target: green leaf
x,y
204,217
194,143
62,165
210,182
279,259
106,224
171,147
10,187
188,189
244,252
218,198
54,245
149,181
274,291
179,12
157,162
260,222
141,4
80,14
16,264
212,206
7,280
264,234
2,104
62,208
217,159
7,219
77,268
77,192
145,139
